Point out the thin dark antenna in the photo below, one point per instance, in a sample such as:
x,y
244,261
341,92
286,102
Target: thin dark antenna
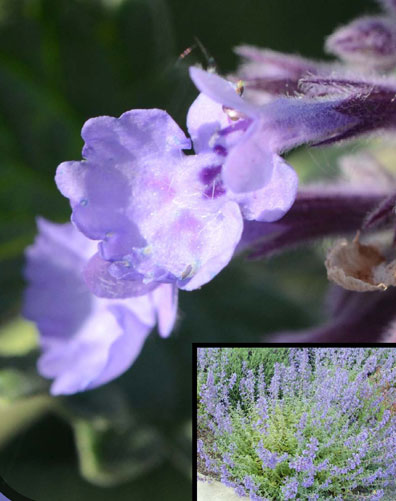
x,y
210,61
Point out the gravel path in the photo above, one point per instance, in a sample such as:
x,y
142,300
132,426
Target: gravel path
x,y
216,491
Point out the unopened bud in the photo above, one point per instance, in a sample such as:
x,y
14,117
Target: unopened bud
x,y
369,41
389,5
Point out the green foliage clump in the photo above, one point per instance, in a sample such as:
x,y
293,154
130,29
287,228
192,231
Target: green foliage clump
x,y
240,360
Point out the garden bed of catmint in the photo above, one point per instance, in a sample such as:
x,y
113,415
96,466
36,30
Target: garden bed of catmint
x,y
298,423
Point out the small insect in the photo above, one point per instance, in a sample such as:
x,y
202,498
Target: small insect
x,y
187,52
230,112
210,62
240,87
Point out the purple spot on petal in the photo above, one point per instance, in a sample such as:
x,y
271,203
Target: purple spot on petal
x,y
211,177
216,189
209,174
220,150
240,125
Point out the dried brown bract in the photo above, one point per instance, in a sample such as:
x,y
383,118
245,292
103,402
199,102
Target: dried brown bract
x,y
360,267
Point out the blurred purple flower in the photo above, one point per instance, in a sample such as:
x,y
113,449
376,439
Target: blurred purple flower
x,y
86,341
289,490
240,491
316,213
362,197
379,494
250,485
305,462
354,316
269,459
389,5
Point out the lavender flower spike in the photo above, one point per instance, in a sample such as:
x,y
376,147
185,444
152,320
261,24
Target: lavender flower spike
x,y
157,214
86,341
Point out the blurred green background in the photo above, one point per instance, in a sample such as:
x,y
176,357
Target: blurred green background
x,y
62,62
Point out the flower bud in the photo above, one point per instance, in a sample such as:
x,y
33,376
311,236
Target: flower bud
x,y
369,41
389,5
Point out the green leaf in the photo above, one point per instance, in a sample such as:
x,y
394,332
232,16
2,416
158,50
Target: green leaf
x,y
18,356
16,384
18,338
19,415
112,444
179,449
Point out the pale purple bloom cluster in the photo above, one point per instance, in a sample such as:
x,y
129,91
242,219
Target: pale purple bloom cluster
x,y
269,459
331,437
289,490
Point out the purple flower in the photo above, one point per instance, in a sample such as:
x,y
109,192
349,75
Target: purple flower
x,y
275,381
86,341
262,132
251,487
331,98
158,213
308,481
240,491
262,411
377,495
289,490
225,476
263,194
247,386
305,462
212,131
268,459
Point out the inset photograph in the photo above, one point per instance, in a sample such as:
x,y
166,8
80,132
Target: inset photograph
x,y
296,423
